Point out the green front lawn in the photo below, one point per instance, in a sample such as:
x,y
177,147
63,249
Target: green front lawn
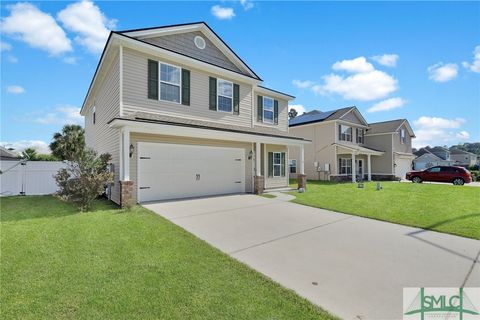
x,y
444,208
111,264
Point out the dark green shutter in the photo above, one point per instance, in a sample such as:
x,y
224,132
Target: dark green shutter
x,y
282,164
152,79
185,87
270,164
275,111
213,94
236,99
260,108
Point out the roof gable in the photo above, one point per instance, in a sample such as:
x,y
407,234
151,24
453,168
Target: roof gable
x,y
390,126
180,39
319,116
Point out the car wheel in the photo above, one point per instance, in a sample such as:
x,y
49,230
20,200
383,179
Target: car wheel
x,y
458,181
417,179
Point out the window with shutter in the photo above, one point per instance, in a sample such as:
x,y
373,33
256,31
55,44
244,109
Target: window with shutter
x,y
152,79
268,110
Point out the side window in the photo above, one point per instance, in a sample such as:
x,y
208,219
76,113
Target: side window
x,y
403,137
293,166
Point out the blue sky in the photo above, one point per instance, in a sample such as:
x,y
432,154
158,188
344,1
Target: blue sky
x,y
419,61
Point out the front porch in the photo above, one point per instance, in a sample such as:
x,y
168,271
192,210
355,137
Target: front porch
x,y
354,163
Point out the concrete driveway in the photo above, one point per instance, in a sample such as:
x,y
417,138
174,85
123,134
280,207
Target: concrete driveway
x,y
353,267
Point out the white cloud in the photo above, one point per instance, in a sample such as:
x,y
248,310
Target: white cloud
x,y
19,146
475,66
88,21
5,46
303,84
38,29
439,123
62,115
12,59
365,86
388,60
222,13
298,107
246,4
438,131
443,72
357,65
15,89
463,135
70,60
387,104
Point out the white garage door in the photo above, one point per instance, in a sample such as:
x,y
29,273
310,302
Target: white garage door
x,y
172,171
402,167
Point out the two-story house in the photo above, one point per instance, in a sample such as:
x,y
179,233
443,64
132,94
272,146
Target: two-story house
x,y
345,147
463,158
183,116
429,157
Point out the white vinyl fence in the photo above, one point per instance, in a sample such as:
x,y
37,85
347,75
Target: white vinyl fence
x,y
28,177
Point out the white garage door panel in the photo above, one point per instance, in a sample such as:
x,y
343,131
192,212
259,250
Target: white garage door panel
x,y
402,167
169,171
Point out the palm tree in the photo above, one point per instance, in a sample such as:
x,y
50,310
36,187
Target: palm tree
x,y
69,143
29,154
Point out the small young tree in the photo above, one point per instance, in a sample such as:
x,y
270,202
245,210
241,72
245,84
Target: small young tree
x,y
84,179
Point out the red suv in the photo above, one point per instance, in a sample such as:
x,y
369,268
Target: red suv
x,y
455,175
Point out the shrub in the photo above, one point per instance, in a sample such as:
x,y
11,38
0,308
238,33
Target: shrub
x,y
84,179
475,175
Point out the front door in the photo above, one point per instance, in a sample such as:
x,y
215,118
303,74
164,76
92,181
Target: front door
x,y
359,167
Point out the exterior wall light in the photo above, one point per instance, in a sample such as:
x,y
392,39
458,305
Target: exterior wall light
x,y
132,148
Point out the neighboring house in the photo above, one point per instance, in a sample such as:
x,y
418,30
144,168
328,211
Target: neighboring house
x,y
183,116
6,154
426,159
463,158
395,138
345,147
441,152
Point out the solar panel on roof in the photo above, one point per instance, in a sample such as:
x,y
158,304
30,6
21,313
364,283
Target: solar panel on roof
x,y
307,118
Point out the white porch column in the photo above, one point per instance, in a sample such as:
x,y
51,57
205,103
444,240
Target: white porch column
x,y
258,156
302,159
354,170
369,168
126,154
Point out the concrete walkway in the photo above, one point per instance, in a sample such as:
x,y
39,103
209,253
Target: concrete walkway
x,y
353,267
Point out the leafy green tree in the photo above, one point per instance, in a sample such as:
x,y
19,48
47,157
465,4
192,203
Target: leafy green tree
x,y
45,157
29,154
84,179
69,143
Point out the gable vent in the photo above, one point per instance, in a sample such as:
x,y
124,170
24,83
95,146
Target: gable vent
x,y
199,42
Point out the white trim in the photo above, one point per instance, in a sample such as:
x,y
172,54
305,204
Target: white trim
x,y
273,110
262,91
173,130
221,95
352,124
201,47
120,81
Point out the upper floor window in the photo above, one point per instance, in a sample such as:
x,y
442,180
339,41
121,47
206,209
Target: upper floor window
x,y
268,110
224,95
360,135
345,133
403,137
170,79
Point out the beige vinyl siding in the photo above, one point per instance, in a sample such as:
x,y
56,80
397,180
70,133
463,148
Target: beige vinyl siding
x,y
320,150
135,93
274,182
381,164
141,137
402,147
282,114
99,136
